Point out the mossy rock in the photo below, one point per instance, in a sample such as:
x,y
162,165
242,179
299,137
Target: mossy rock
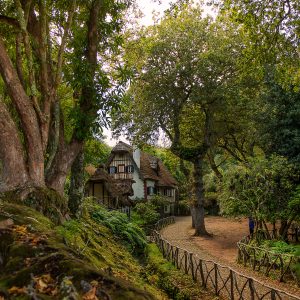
x,y
45,200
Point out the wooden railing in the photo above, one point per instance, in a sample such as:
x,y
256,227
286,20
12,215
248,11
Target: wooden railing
x,y
222,280
162,223
278,265
293,234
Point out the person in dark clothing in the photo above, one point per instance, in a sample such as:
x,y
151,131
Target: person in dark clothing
x,y
251,225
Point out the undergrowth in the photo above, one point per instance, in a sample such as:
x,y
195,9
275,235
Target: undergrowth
x,y
163,274
38,258
130,234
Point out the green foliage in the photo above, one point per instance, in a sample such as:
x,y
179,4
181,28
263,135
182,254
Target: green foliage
x,y
262,189
96,152
272,30
278,121
133,237
279,247
162,273
147,214
182,63
294,203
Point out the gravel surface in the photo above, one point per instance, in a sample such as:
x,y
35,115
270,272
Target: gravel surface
x,y
221,247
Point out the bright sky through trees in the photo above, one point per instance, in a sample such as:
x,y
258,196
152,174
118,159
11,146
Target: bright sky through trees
x,y
147,7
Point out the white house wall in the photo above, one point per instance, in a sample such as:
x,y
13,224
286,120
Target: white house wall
x,y
150,183
137,186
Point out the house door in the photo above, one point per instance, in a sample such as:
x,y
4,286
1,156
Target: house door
x,y
98,192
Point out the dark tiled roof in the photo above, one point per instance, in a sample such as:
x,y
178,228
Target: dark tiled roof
x,y
160,174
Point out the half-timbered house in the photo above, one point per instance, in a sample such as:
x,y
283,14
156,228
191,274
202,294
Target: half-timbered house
x,y
106,190
147,174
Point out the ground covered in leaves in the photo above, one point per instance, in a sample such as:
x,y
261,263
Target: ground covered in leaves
x,y
80,259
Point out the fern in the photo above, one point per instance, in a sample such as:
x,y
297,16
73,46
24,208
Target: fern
x,y
132,236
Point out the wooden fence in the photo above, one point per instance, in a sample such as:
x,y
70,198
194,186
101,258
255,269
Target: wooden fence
x,y
222,280
293,234
278,265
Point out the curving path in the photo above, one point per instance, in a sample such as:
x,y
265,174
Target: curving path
x,y
221,247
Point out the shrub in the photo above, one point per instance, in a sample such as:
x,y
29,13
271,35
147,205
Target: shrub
x,y
147,213
133,236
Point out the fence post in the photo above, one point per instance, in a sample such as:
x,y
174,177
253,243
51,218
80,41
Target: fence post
x,y
192,265
216,278
254,259
231,285
177,256
273,295
251,287
202,273
185,262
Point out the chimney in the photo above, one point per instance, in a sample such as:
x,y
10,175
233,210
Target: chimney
x,y
154,163
137,156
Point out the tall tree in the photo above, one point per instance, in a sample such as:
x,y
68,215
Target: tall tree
x,y
54,55
273,30
185,82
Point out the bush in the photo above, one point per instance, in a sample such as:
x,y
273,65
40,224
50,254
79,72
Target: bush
x,y
133,236
147,214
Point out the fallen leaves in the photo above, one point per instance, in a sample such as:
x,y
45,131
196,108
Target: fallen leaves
x,y
91,294
94,292
17,290
27,237
45,284
20,229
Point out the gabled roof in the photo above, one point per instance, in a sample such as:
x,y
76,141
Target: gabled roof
x,y
121,147
161,174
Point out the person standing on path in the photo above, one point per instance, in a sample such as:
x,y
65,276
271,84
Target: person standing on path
x,y
251,225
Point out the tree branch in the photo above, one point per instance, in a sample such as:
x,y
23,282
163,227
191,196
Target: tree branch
x,y
63,44
19,64
26,113
23,17
10,21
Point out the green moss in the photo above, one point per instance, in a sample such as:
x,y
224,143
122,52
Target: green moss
x,y
176,284
78,249
44,200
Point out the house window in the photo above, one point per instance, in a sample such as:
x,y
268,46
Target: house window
x,y
112,170
151,190
121,168
168,192
129,169
166,208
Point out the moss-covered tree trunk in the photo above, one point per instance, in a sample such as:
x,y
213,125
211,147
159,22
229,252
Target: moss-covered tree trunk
x,y
76,193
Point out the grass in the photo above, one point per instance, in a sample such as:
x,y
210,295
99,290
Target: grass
x,y
163,274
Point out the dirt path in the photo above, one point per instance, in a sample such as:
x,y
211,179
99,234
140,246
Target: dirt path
x,y
221,247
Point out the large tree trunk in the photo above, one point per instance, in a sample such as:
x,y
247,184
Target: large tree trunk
x,y
62,163
28,117
76,193
197,210
13,171
23,148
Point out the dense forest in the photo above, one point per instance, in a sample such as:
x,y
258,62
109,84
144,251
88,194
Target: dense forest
x,y
214,96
